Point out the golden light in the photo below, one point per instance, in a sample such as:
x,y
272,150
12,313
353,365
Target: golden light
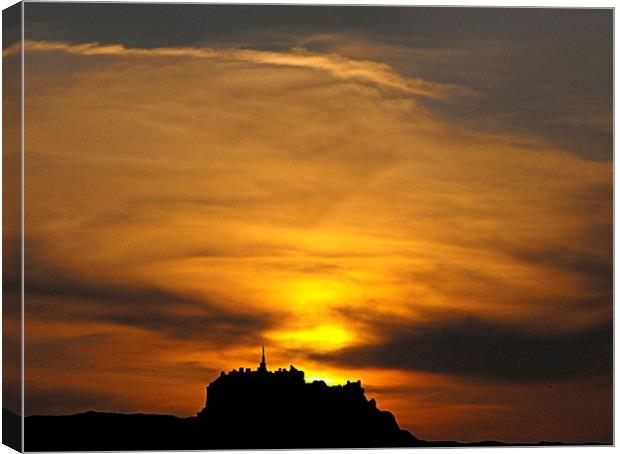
x,y
316,293
318,338
330,377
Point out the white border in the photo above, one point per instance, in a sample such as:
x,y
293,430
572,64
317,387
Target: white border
x,y
472,3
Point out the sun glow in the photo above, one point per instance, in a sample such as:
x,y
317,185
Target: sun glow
x,y
329,377
309,293
329,381
319,338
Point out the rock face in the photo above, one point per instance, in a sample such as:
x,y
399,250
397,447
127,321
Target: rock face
x,y
279,409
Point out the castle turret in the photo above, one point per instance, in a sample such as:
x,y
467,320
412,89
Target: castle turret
x,y
263,364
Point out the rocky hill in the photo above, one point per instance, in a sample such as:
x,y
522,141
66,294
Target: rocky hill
x,y
244,409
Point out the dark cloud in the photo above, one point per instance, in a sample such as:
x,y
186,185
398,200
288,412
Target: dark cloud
x,y
564,309
586,254
153,25
489,350
538,71
55,293
568,260
558,90
594,270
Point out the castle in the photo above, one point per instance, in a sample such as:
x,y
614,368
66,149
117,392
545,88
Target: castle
x,y
245,409
248,389
290,374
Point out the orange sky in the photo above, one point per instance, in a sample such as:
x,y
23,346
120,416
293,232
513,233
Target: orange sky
x,y
186,205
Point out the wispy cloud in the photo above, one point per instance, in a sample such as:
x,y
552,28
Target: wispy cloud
x,y
336,65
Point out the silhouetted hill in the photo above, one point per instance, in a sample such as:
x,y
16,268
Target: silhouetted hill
x,y
244,409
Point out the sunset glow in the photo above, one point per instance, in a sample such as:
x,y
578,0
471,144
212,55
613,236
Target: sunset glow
x,y
324,195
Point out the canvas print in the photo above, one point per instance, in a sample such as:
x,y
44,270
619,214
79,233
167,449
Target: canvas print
x,y
287,226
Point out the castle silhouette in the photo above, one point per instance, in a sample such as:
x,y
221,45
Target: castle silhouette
x,y
252,387
280,409
244,409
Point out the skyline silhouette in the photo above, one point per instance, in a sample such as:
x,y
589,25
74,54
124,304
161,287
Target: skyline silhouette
x,y
244,409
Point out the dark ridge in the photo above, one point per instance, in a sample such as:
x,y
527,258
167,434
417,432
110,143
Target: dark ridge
x,y
258,409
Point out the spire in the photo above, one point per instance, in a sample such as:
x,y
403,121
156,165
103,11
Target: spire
x,y
263,363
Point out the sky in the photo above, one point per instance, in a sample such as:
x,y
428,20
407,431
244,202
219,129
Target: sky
x,y
420,198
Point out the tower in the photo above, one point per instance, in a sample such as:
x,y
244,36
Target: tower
x,y
263,364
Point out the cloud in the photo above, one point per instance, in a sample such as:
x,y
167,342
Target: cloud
x,y
565,259
343,68
475,348
472,347
552,79
57,294
219,173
